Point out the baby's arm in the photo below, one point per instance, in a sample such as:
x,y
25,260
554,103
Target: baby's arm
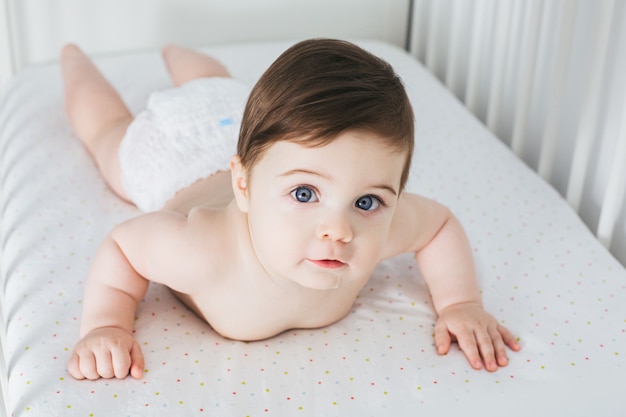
x,y
107,348
445,258
114,288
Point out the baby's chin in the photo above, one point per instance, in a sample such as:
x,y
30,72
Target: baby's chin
x,y
322,282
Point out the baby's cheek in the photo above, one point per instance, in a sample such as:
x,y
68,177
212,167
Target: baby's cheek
x,y
371,253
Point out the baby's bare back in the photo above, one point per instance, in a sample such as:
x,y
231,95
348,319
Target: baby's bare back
x,y
211,192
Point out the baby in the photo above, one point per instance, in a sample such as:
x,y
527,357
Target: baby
x,y
273,225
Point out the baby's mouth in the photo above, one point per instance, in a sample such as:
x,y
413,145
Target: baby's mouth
x,y
327,263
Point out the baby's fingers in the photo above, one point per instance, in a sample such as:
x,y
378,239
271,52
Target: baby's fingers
x,y
469,345
491,349
73,367
120,362
104,363
137,362
83,365
500,348
443,340
127,360
508,338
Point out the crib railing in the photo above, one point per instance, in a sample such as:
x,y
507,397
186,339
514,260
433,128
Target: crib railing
x,y
549,79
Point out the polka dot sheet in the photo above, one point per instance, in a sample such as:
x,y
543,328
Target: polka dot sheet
x,y
542,274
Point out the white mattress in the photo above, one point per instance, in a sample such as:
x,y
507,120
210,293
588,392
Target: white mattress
x,y
542,273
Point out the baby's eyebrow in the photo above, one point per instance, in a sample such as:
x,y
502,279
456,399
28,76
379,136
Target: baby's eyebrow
x,y
303,171
387,188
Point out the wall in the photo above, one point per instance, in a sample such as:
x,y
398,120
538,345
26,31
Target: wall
x,y
33,31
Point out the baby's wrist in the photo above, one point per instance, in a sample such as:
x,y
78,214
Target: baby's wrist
x,y
104,328
472,303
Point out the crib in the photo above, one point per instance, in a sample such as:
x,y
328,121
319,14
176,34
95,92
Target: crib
x,y
520,130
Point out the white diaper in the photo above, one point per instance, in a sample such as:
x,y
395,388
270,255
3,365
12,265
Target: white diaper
x,y
185,134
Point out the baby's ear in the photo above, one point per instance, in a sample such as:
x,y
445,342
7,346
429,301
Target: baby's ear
x,y
239,176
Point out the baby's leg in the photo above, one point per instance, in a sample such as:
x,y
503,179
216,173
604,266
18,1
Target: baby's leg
x,y
186,65
96,112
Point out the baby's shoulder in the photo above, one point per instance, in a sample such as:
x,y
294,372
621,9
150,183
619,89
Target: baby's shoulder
x,y
416,220
214,228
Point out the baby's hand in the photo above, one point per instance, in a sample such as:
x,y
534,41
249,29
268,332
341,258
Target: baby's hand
x,y
106,352
478,334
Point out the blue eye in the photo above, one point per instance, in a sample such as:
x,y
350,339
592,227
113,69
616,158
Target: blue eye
x,y
367,202
304,195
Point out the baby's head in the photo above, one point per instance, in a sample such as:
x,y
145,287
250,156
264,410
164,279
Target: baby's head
x,y
319,89
324,152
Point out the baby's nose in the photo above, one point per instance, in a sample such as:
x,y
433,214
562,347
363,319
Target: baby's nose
x,y
336,228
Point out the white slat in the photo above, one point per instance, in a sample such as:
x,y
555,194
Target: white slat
x,y
616,186
525,81
476,53
432,40
7,69
416,37
459,13
614,200
7,63
589,115
502,36
4,386
557,88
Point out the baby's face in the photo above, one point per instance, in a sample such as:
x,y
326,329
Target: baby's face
x,y
321,216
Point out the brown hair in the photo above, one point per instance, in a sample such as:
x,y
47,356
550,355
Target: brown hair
x,y
320,88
